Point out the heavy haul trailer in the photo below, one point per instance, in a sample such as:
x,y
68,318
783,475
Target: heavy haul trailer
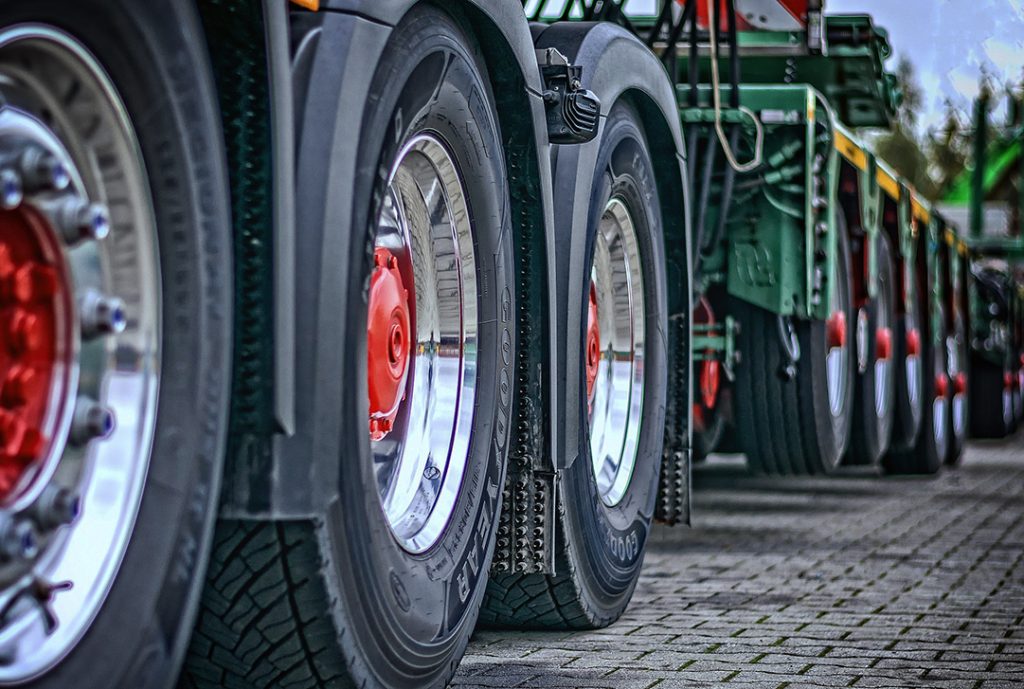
x,y
827,322
315,317
315,314
996,303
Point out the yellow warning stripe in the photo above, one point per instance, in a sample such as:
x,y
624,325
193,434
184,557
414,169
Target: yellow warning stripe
x,y
888,184
849,149
919,210
308,4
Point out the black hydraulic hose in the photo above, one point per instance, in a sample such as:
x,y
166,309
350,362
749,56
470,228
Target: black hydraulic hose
x,y
726,197
673,39
705,198
734,57
664,17
691,13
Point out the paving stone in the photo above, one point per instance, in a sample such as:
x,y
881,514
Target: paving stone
x,y
857,580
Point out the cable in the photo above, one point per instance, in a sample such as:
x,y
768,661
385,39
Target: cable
x,y
717,98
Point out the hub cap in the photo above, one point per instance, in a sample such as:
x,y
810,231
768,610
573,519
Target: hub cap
x,y
912,366
422,343
618,391
78,364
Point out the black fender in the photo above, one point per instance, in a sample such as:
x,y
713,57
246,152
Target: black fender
x,y
334,53
616,65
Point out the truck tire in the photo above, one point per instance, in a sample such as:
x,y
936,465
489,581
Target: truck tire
x,y
959,401
383,589
799,425
987,390
875,388
609,492
927,456
909,370
116,394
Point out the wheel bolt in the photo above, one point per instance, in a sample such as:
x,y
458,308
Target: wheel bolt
x,y
11,191
101,315
80,220
42,170
18,539
56,507
17,386
91,421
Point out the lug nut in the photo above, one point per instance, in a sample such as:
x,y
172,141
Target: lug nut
x,y
42,170
56,507
11,192
101,315
18,539
79,220
91,421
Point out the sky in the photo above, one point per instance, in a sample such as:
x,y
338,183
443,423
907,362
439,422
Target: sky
x,y
948,42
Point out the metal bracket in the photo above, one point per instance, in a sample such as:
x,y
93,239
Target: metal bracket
x,y
573,112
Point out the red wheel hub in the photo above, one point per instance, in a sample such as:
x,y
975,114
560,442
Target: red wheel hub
x,y
883,343
389,347
1008,381
913,342
29,298
960,383
941,386
593,352
835,329
709,377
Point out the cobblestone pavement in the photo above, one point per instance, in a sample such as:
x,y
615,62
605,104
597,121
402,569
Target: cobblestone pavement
x,y
855,581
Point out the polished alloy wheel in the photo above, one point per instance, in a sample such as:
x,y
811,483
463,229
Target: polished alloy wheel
x,y
958,379
617,373
884,377
80,302
838,352
422,343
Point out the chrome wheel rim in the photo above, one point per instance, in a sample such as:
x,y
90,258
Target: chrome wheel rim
x,y
420,462
82,497
616,394
939,421
883,351
959,403
837,358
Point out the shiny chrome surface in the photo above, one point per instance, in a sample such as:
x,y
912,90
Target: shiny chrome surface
x,y
837,360
884,378
58,97
618,391
419,466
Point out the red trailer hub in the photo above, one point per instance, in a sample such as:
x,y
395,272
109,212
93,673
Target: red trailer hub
x,y
388,338
835,329
32,292
593,351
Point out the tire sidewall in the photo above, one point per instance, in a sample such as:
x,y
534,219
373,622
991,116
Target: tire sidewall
x,y
608,542
139,635
422,90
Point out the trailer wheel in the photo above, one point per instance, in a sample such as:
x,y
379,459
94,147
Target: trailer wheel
x,y
799,425
115,339
988,391
959,400
610,490
927,456
875,387
909,369
383,588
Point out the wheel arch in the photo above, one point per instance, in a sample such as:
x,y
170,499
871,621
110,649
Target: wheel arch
x,y
617,66
334,53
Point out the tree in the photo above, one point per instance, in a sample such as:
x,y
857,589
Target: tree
x,y
901,147
949,148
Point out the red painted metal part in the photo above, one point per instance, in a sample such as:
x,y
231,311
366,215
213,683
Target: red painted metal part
x,y
593,351
960,383
389,342
941,385
29,293
835,329
914,342
883,343
709,374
